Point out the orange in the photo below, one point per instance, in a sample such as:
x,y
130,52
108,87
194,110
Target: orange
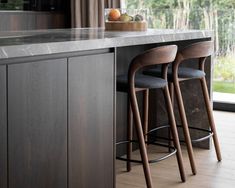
x,y
114,15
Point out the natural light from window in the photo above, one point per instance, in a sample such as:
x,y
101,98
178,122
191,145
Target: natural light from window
x,y
217,15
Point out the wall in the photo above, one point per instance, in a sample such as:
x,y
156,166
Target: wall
x,y
29,20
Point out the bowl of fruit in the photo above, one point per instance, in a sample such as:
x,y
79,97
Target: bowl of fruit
x,y
125,20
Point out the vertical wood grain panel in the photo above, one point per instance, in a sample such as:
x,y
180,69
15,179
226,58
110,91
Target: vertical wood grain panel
x,y
91,108
38,124
3,129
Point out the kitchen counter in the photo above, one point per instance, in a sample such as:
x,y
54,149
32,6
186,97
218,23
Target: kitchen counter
x,y
60,114
44,42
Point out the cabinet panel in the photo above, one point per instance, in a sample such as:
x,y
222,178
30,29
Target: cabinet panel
x,y
37,125
3,129
91,113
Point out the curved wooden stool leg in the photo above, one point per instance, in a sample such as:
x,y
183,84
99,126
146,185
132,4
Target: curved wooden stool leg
x,y
171,90
185,126
174,133
211,118
139,130
146,113
129,136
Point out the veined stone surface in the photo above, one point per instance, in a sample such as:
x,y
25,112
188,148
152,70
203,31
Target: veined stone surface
x,y
45,42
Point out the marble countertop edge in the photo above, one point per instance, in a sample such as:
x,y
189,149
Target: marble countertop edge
x,y
119,39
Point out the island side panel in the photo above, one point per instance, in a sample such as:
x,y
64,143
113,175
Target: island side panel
x,y
37,121
194,104
91,121
3,128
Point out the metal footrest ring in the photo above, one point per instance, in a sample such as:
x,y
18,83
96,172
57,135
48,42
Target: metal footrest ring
x,y
210,133
172,149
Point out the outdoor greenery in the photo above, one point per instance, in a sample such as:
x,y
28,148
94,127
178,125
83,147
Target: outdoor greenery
x,y
217,15
12,5
226,87
159,4
224,74
225,69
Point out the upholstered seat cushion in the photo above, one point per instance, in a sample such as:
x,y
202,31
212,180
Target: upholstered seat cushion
x,y
141,81
183,72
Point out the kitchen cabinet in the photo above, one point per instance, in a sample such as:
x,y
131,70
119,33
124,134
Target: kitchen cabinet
x,y
37,124
91,119
3,128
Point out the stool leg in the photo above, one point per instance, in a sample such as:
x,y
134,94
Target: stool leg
x,y
174,132
129,136
185,126
211,118
171,90
146,113
139,130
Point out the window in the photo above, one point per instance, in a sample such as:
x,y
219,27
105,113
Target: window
x,y
218,15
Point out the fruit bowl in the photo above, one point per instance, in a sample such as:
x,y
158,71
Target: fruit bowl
x,y
125,20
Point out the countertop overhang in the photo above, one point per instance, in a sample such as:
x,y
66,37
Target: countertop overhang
x,y
46,42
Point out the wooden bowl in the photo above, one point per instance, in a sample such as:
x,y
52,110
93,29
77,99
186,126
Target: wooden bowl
x,y
126,26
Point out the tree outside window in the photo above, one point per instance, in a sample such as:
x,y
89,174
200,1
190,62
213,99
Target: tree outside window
x,y
217,15
12,4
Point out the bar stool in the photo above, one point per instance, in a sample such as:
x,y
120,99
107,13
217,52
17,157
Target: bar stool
x,y
134,82
200,51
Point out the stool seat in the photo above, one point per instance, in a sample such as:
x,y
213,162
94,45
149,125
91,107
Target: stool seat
x,y
183,72
141,81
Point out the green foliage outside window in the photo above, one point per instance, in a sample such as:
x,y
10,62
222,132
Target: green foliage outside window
x,y
159,4
12,5
217,15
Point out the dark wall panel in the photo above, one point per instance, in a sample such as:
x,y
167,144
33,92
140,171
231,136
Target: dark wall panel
x,y
37,111
28,20
91,126
3,129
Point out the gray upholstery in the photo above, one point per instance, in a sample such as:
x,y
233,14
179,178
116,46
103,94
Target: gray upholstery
x,y
183,72
141,81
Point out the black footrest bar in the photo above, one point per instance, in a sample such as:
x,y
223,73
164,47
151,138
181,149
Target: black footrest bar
x,y
158,128
172,149
210,134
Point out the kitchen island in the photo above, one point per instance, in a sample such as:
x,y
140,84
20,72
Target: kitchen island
x,y
60,115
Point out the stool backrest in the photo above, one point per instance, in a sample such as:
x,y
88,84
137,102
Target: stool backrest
x,y
199,50
162,55
154,56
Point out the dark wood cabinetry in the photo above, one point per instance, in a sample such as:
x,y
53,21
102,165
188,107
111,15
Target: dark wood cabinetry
x,y
3,128
57,123
37,124
57,102
91,115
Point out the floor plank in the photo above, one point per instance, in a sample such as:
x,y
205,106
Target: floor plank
x,y
211,174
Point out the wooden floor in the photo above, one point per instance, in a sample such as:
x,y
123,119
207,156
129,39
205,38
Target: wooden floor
x,y
211,174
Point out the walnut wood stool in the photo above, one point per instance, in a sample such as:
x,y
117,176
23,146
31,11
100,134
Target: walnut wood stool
x,y
200,51
133,83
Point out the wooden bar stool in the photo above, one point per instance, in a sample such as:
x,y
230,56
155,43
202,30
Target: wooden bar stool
x,y
200,51
133,83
